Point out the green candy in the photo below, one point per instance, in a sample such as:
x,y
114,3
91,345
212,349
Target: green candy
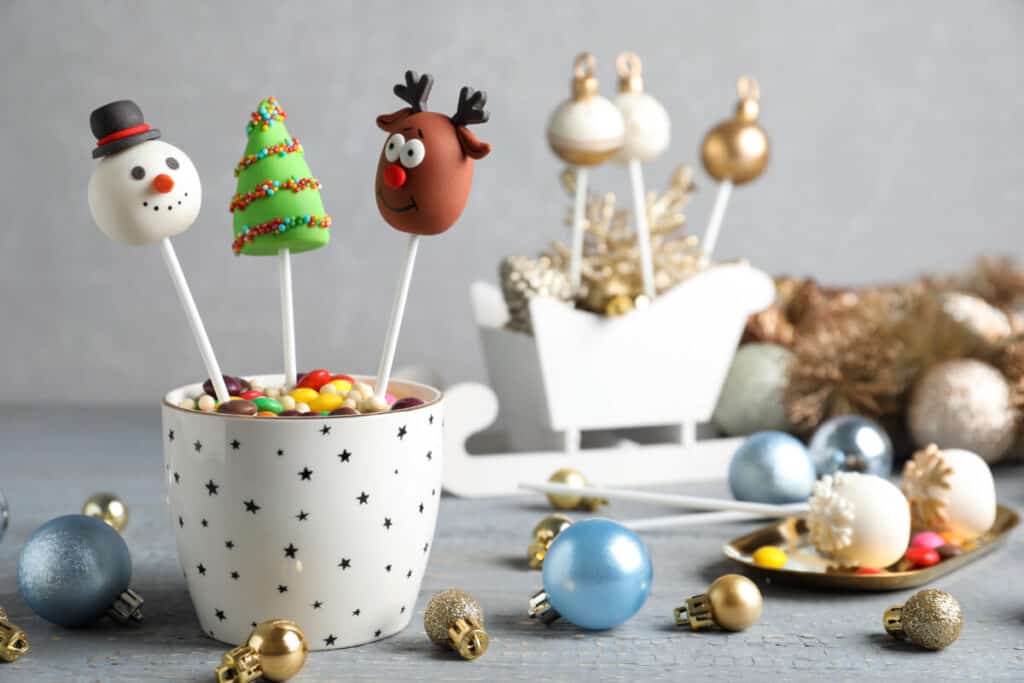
x,y
293,207
267,403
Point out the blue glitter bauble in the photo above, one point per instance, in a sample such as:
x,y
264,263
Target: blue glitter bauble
x,y
597,574
72,569
771,467
851,443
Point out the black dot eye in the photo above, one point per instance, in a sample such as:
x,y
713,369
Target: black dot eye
x,y
172,163
138,173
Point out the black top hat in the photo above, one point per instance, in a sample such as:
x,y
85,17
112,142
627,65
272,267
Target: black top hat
x,y
118,126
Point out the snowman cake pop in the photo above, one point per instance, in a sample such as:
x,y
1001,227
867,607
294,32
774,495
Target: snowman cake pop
x,y
145,191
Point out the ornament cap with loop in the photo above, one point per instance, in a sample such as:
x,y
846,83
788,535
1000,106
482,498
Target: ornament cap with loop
x,y
241,665
749,106
630,70
468,637
13,641
584,83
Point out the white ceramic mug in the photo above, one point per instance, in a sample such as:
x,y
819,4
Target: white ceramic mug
x,y
327,520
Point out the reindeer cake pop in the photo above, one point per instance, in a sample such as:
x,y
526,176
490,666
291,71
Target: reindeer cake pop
x,y
144,191
423,179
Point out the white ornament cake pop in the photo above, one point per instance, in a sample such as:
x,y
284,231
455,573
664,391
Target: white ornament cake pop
x,y
951,491
858,520
647,124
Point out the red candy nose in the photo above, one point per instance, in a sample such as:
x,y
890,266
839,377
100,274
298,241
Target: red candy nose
x,y
163,183
394,175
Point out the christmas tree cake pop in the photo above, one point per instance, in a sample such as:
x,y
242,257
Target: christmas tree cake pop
x,y
277,204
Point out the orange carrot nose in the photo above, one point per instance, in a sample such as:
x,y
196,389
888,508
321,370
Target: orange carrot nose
x,y
163,183
394,175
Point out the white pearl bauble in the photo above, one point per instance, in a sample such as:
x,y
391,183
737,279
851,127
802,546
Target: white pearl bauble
x,y
751,398
647,127
586,132
130,210
859,520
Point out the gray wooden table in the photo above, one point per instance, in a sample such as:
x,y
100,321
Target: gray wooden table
x,y
52,458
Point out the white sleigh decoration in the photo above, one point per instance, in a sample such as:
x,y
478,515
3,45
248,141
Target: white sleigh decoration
x,y
664,365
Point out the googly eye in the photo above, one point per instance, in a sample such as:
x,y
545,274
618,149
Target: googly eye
x,y
172,163
393,147
413,153
138,172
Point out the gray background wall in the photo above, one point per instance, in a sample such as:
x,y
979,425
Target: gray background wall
x,y
896,131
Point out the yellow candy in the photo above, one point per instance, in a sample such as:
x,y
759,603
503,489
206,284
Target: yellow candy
x,y
325,403
770,557
304,395
344,386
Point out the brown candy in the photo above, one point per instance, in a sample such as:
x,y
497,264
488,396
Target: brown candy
x,y
949,550
407,402
344,410
239,407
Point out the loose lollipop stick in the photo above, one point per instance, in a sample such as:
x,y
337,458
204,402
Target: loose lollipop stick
x,y
387,357
643,231
579,204
669,499
692,519
194,321
715,222
287,317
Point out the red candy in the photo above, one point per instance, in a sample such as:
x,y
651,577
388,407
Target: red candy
x,y
250,395
921,556
315,379
868,571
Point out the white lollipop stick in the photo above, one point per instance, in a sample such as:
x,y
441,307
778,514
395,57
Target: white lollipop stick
x,y
387,357
715,222
578,207
670,499
287,318
194,321
643,230
692,519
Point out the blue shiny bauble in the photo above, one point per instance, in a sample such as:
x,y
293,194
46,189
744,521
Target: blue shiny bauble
x,y
72,569
771,467
851,443
597,574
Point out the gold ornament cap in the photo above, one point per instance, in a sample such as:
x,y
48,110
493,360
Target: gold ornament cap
x,y
544,534
281,646
13,641
241,665
630,70
569,501
108,508
732,602
584,83
454,618
931,619
737,149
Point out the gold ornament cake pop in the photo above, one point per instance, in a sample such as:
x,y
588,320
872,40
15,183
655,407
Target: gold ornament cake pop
x,y
737,149
586,129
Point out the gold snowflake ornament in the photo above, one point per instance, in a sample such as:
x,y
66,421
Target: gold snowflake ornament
x,y
830,516
925,483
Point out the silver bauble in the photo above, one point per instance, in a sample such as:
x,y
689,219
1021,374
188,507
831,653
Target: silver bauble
x,y
851,443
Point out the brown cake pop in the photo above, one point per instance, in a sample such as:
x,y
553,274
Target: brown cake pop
x,y
426,167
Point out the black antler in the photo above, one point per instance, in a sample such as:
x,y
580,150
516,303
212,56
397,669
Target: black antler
x,y
416,90
471,107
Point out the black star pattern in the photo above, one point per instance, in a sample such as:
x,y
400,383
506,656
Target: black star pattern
x,y
181,522
431,419
306,474
211,488
282,589
235,444
329,640
325,430
177,478
253,624
302,516
345,563
402,431
363,498
396,471
357,612
220,614
421,507
198,446
345,455
235,575
387,568
430,455
290,551
230,545
402,611
408,574
280,452
387,523
433,492
170,435
251,506
205,523
376,634
201,569
426,547
317,604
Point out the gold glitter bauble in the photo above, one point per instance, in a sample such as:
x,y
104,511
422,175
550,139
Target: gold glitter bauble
x,y
108,508
737,149
454,618
281,646
931,619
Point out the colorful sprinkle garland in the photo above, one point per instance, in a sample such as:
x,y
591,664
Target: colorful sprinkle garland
x,y
268,188
277,226
280,149
267,116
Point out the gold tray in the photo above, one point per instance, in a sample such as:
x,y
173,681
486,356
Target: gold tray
x,y
807,568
